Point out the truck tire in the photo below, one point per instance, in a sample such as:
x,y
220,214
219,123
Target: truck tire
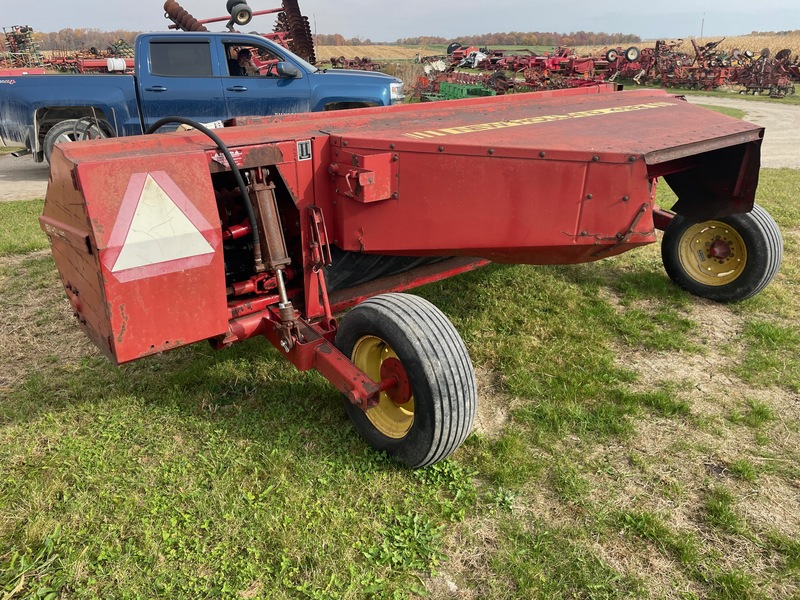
x,y
430,413
71,130
726,260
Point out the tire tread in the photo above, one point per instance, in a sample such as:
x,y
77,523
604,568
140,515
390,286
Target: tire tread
x,y
446,363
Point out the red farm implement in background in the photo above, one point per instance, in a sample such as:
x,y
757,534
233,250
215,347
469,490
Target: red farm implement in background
x,y
291,29
774,77
356,63
276,225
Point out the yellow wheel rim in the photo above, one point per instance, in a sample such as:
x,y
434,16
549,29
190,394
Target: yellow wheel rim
x,y
712,253
391,419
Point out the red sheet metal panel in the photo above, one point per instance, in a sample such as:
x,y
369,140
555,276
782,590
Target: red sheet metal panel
x,y
534,178
153,232
519,210
640,122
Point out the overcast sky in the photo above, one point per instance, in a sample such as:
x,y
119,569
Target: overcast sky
x,y
390,20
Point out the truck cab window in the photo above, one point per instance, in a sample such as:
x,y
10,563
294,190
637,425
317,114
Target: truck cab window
x,y
180,59
250,60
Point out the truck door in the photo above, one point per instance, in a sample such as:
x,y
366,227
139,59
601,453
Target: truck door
x,y
179,79
262,91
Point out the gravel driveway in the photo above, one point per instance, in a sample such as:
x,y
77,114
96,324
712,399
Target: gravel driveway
x,y
781,146
22,179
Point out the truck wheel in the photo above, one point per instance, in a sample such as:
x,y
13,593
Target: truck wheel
x,y
427,416
71,130
726,260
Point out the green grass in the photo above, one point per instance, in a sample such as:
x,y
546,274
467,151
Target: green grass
x,y
773,353
731,112
20,230
637,458
791,99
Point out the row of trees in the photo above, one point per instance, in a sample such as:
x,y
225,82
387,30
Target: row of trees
x,y
513,38
83,39
532,38
335,39
787,32
70,40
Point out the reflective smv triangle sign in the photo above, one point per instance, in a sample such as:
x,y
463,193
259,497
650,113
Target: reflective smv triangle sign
x,y
159,232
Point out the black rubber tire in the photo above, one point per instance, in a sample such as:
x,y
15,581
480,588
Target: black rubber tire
x,y
453,47
66,130
612,56
763,242
439,372
231,3
241,14
632,54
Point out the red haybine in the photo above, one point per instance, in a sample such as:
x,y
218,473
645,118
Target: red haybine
x,y
281,223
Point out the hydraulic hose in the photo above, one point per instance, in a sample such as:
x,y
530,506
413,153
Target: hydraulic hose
x,y
251,215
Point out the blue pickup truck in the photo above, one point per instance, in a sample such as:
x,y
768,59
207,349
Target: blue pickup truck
x,y
194,75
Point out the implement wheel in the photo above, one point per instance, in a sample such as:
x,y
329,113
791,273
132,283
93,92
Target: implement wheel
x,y
632,54
727,260
429,413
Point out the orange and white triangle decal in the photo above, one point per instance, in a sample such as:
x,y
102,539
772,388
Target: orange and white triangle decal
x,y
159,232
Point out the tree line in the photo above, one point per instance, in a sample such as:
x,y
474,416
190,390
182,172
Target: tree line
x,y
531,38
71,40
513,38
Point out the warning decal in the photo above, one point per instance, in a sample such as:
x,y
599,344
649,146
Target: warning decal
x,y
158,231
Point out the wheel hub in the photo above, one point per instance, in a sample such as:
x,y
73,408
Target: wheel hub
x,y
720,249
713,253
393,372
393,414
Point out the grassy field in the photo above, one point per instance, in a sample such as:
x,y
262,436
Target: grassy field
x,y
631,441
389,52
731,112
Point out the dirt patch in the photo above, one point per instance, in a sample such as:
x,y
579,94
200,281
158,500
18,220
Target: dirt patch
x,y
664,578
36,324
493,406
469,550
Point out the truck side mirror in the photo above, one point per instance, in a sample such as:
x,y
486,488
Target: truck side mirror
x,y
288,70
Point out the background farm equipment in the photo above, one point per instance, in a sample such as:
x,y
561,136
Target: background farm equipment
x,y
773,77
169,240
20,49
291,30
356,63
117,58
709,68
